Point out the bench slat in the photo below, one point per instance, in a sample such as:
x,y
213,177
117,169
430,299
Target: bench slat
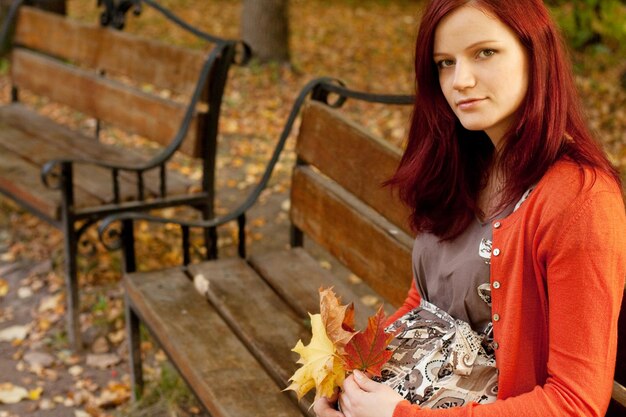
x,y
352,231
147,61
297,277
257,315
38,150
110,101
74,143
617,407
23,133
366,161
205,351
20,180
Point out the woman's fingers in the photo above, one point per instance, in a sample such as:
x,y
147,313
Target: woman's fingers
x,y
364,382
324,407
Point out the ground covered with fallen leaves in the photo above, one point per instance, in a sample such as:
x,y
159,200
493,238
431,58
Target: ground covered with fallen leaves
x,y
367,44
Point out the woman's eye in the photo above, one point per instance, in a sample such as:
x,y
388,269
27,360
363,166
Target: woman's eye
x,y
485,53
445,63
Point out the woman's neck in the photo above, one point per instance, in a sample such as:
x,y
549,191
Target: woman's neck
x,y
490,196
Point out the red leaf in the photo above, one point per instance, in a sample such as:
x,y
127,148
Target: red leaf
x,y
367,351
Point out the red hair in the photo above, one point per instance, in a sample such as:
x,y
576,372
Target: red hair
x,y
444,166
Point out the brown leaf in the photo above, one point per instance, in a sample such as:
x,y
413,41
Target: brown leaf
x,y
334,317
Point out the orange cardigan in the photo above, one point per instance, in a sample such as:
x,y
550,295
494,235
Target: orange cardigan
x,y
560,261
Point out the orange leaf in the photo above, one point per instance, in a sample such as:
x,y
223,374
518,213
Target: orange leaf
x,y
338,319
367,351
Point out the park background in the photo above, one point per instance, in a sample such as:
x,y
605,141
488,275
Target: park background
x,y
368,44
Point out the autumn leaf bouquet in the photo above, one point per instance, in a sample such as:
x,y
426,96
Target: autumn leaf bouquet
x,y
336,348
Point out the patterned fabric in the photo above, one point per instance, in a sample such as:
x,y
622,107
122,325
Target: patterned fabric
x,y
439,362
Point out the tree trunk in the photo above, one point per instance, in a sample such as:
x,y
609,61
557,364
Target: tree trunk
x,y
55,6
265,27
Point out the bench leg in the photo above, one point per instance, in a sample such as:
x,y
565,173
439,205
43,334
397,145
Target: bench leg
x,y
134,350
210,234
71,279
71,247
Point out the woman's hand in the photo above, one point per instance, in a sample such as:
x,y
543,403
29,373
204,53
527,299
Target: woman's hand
x,y
325,407
362,397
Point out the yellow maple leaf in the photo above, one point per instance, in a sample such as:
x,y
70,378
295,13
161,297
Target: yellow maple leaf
x,y
321,368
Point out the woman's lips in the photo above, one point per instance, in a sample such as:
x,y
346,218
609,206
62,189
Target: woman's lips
x,y
468,104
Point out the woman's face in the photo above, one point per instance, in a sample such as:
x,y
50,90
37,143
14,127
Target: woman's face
x,y
483,70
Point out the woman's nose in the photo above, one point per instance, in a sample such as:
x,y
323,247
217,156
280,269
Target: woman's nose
x,y
463,76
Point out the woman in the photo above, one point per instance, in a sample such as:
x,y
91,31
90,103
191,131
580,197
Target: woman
x,y
498,148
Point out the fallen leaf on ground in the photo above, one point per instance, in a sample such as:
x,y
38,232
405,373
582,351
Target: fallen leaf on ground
x,y
46,404
12,333
42,359
75,370
113,395
100,345
12,394
22,292
35,394
4,287
52,302
102,361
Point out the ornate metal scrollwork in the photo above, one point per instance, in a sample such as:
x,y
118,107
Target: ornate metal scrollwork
x,y
114,13
322,93
243,53
52,175
86,246
110,233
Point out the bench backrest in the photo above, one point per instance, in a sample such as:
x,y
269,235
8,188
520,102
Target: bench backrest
x,y
87,67
342,205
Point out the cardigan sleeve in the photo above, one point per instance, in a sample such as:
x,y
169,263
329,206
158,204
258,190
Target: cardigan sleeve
x,y
412,300
583,258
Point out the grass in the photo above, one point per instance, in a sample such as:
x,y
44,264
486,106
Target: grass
x,y
165,396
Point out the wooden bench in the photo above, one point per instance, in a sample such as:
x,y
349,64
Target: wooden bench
x,y
164,93
234,351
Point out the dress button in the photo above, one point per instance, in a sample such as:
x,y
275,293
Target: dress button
x,y
496,252
495,345
496,284
497,225
496,317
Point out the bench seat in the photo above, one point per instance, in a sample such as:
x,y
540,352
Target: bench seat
x,y
269,326
199,342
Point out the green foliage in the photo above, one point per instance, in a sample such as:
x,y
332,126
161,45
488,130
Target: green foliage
x,y
4,66
596,23
167,396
